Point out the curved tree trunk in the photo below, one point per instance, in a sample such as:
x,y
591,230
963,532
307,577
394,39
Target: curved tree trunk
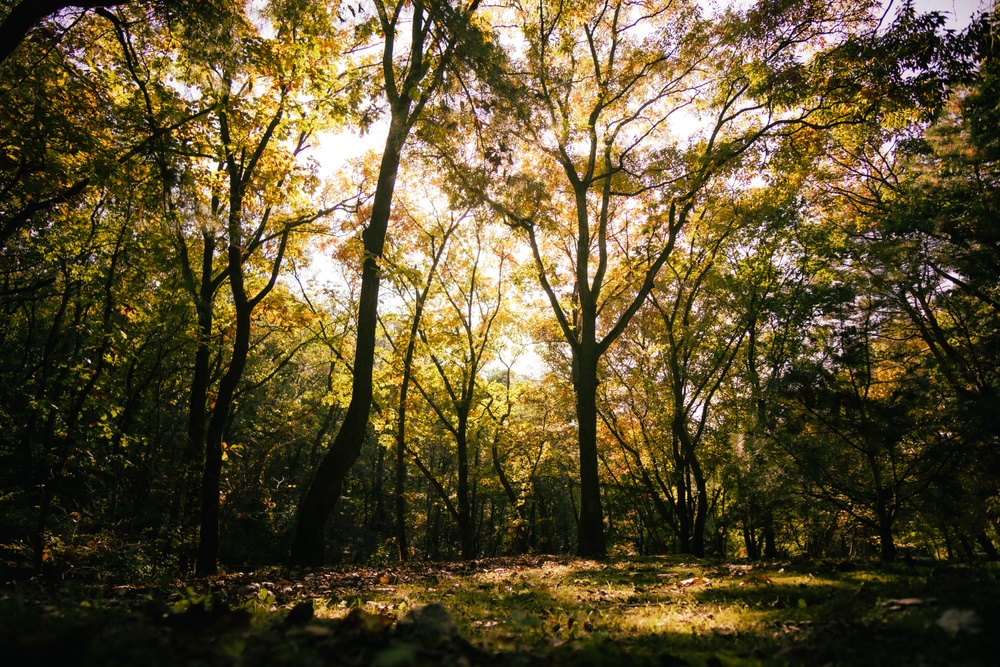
x,y
308,546
209,540
887,544
420,75
209,537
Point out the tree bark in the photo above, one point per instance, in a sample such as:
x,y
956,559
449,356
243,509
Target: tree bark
x,y
465,527
591,542
986,543
308,546
189,493
400,490
770,549
209,541
887,545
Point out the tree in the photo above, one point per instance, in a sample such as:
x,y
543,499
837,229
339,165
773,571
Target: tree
x,y
58,109
906,227
933,251
225,184
671,369
412,69
602,87
858,418
468,328
420,286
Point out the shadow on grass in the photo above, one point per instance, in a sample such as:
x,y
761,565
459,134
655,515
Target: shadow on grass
x,y
544,612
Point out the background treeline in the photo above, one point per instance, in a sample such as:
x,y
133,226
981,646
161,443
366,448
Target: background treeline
x,y
654,281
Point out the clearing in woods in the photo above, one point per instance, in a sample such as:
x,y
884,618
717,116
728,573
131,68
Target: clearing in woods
x,y
527,611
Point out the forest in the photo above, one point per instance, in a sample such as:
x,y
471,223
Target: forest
x,y
371,282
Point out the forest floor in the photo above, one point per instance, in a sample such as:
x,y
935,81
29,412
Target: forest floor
x,y
525,612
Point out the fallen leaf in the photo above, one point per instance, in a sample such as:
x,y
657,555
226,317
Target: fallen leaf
x,y
693,581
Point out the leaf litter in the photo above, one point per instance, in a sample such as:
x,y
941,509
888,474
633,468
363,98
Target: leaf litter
x,y
520,612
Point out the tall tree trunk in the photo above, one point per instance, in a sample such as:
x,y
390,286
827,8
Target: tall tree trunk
x,y
400,490
308,545
209,538
682,504
750,538
465,527
770,548
197,403
986,543
404,389
240,173
186,502
591,542
700,519
700,505
423,76
887,545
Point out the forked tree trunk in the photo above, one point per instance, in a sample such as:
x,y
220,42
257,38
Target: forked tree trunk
x,y
209,540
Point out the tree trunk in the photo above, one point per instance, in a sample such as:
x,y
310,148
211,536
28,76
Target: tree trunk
x,y
987,544
683,511
700,509
26,14
465,527
308,544
770,548
750,539
209,539
202,373
887,546
400,490
591,528
194,454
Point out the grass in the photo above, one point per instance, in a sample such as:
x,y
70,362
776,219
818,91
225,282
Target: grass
x,y
531,611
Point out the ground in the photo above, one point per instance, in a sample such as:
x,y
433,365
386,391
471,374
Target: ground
x,y
534,611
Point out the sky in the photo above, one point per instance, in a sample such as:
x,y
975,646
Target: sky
x,y
959,11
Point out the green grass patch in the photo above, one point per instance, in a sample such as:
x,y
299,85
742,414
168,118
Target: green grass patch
x,y
528,611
